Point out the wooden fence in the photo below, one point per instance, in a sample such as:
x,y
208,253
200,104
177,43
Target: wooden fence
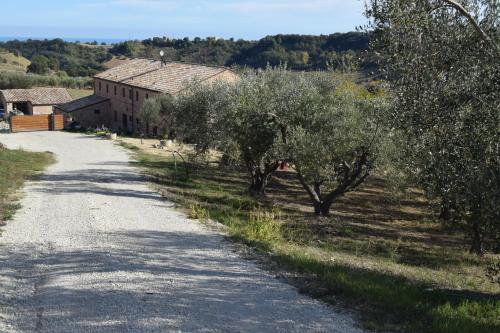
x,y
36,123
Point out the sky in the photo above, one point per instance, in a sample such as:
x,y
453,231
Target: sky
x,y
139,19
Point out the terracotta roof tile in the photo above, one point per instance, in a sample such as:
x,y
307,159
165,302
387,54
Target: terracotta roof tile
x,y
37,96
150,74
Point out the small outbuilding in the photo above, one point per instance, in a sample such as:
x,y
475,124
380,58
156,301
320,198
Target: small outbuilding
x,y
36,101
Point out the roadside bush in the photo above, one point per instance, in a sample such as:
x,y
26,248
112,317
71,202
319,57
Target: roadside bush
x,y
264,225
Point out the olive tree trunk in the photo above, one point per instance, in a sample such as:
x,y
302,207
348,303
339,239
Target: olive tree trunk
x,y
351,178
476,232
260,175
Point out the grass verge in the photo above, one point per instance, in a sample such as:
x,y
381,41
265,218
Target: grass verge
x,y
16,166
382,256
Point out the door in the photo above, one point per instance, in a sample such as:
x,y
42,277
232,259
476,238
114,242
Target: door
x,y
125,122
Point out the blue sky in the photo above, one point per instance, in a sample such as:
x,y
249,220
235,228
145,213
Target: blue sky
x,y
249,19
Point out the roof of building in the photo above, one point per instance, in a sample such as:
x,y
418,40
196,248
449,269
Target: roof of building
x,y
37,96
81,103
170,77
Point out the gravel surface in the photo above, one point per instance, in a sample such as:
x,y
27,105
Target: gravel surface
x,y
94,249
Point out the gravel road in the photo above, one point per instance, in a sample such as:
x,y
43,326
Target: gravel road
x,y
94,249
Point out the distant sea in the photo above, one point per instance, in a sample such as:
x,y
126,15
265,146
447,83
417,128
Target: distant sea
x,y
83,40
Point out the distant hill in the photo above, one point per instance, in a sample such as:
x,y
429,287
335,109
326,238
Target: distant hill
x,y
340,51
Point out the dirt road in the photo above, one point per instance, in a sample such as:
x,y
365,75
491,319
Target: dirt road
x,y
94,249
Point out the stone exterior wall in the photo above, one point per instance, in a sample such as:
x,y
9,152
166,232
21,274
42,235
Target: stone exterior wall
x,y
40,109
125,103
96,115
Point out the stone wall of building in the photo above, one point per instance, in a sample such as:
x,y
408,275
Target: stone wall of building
x,y
125,103
39,109
93,116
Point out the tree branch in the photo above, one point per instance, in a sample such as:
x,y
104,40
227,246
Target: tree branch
x,y
309,189
458,7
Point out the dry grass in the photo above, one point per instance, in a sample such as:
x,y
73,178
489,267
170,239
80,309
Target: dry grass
x,y
80,93
116,61
10,62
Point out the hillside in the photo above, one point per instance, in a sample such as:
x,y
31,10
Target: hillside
x,y
57,55
340,51
10,62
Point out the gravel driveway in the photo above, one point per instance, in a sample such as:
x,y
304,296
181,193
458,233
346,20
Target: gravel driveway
x,y
95,250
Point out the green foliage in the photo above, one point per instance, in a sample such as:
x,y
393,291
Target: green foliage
x,y
272,116
200,112
39,65
332,138
442,61
126,48
159,112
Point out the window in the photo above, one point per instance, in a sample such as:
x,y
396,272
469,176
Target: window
x,y
100,86
97,111
123,92
107,88
136,95
147,96
116,115
115,90
130,95
137,121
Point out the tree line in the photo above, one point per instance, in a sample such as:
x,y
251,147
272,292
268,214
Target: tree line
x,y
340,51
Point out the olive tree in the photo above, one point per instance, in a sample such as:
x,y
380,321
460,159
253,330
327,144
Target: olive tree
x,y
200,112
442,58
159,112
252,123
332,141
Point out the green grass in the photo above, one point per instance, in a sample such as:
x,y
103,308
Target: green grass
x,y
385,258
16,166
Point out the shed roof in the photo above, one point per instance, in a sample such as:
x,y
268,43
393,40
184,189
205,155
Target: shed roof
x,y
37,96
81,103
152,75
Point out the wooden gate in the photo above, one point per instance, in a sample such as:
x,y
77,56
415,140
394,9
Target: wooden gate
x,y
36,123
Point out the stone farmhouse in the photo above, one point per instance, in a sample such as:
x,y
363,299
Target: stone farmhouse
x,y
120,92
32,102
